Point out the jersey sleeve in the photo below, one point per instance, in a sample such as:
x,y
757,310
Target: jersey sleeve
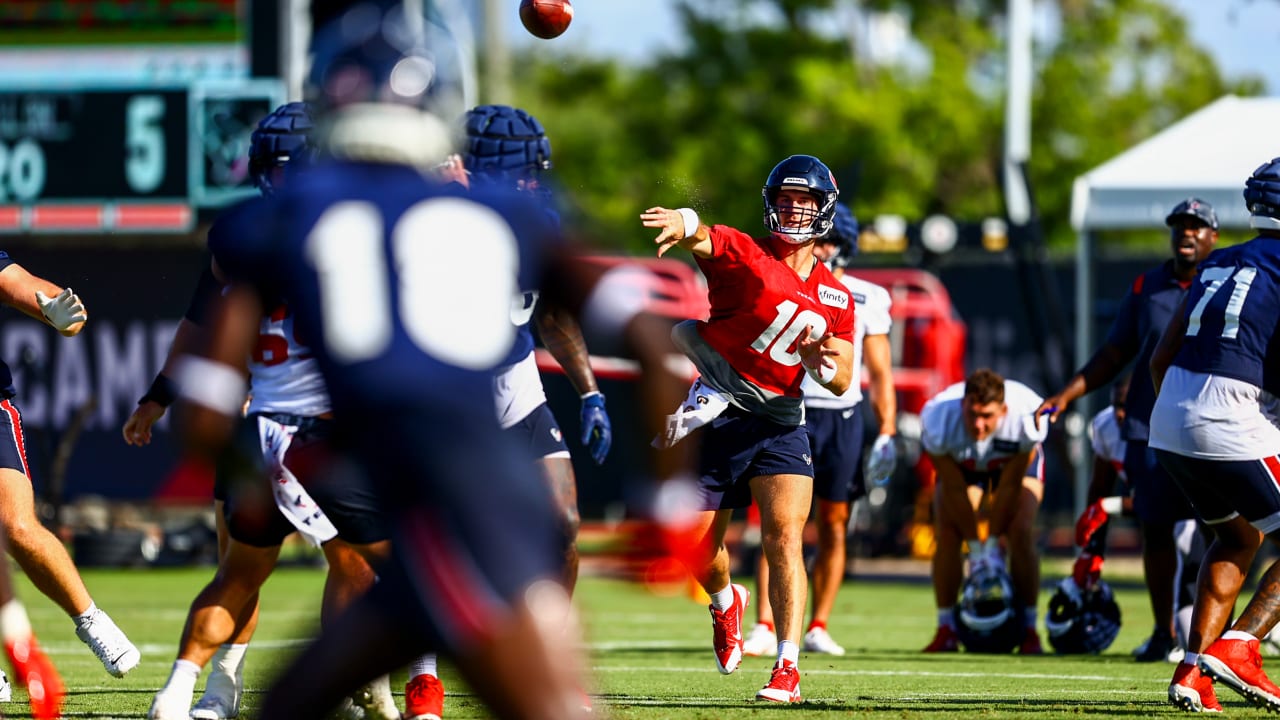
x,y
875,313
1022,402
935,419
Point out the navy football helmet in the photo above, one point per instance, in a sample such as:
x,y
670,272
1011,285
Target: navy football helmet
x,y
378,92
844,235
282,138
1262,196
989,618
505,145
801,172
1081,621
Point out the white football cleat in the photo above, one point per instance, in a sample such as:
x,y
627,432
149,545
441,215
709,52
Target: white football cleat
x,y
221,698
109,643
6,690
169,706
760,641
819,641
376,700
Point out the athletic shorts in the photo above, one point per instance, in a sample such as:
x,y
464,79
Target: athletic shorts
x,y
989,480
338,488
13,442
836,436
1157,499
738,446
539,434
1221,489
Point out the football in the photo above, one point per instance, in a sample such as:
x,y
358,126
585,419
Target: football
x,y
546,18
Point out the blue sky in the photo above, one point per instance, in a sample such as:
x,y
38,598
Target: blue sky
x,y
1242,34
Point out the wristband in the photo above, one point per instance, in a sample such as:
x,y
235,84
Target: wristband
x,y
162,392
1113,505
583,397
823,373
212,384
691,221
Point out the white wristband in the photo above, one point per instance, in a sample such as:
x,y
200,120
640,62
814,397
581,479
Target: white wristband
x,y
691,221
212,384
1113,505
823,373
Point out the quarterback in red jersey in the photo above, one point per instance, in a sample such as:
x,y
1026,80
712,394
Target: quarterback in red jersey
x,y
776,313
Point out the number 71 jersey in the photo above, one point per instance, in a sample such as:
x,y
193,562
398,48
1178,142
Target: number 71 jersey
x,y
402,287
1233,309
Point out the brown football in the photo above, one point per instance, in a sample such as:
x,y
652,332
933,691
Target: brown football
x,y
546,18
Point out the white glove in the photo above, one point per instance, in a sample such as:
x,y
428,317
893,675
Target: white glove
x,y
881,461
63,311
985,554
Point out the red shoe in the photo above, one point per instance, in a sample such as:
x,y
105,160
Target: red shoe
x,y
1238,665
945,640
1031,643
1193,691
784,684
726,630
424,698
33,669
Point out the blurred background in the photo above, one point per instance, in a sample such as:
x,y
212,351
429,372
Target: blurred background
x,y
1011,163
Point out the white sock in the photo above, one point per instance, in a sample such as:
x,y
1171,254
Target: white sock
x,y
425,665
1237,635
85,616
722,599
1182,624
788,651
947,618
230,658
182,678
1191,658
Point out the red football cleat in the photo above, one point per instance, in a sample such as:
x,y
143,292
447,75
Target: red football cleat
x,y
945,640
726,629
1192,691
424,698
784,684
1238,665
33,670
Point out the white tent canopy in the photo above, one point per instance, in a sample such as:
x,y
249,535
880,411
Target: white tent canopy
x,y
1207,154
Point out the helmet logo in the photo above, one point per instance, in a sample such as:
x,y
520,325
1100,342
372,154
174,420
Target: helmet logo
x,y
803,182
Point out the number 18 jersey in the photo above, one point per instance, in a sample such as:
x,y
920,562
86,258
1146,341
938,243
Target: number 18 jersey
x,y
760,307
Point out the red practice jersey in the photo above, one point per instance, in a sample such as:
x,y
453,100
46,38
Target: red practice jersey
x,y
760,307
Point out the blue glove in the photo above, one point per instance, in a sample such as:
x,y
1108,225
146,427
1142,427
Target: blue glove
x,y
597,434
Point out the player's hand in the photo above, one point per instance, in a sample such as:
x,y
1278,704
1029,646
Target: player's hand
x,y
1051,408
137,429
1087,571
33,670
812,351
65,312
597,433
670,223
452,170
881,461
1090,520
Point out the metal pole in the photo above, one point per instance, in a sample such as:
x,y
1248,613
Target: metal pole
x,y
496,86
1084,349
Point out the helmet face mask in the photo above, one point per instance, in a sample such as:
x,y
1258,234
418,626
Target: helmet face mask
x,y
281,143
803,173
1262,196
989,618
1080,621
506,146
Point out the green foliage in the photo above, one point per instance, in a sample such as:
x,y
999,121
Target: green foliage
x,y
762,79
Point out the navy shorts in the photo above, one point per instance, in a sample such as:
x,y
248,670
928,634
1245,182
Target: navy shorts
x,y
738,446
539,434
836,437
1157,499
1221,489
13,442
344,494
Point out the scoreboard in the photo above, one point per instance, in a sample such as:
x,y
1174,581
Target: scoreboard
x,y
126,158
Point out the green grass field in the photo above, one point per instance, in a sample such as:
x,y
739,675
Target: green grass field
x,y
651,657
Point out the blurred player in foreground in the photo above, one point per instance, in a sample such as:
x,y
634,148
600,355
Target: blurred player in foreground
x,y
777,314
407,344
983,440
1215,428
834,423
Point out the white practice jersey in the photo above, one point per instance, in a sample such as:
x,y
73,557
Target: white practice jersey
x,y
1214,417
283,374
1104,435
871,317
944,432
517,391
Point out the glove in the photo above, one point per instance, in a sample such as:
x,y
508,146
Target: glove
x,y
63,311
1093,517
597,434
1087,571
881,461
985,554
34,671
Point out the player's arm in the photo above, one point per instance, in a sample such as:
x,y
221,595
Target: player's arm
x,y
562,337
680,228
211,382
877,356
1120,347
1170,342
57,307
953,496
827,358
1004,506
